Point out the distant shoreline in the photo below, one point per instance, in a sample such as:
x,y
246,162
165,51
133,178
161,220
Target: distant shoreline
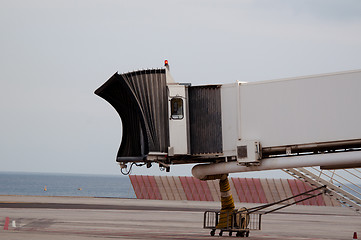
x,y
64,174
55,196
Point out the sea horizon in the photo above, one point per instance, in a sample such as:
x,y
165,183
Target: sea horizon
x,y
65,184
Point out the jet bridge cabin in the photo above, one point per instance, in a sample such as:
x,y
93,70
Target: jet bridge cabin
x,y
164,121
175,123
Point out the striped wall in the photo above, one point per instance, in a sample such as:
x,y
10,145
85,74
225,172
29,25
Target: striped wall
x,y
247,190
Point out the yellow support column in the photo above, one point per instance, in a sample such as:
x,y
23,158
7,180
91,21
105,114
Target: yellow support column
x,y
227,203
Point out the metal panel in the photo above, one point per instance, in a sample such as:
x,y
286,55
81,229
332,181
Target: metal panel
x,y
173,188
145,187
233,191
167,188
205,189
260,191
198,190
230,108
247,191
143,194
319,200
267,190
335,203
180,188
170,188
178,127
287,190
154,187
253,190
311,109
214,188
316,201
193,189
312,201
161,187
136,186
273,189
186,188
295,190
239,188
205,118
304,188
327,200
278,192
148,187
301,188
280,189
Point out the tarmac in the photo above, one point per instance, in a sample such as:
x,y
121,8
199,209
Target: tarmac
x,y
80,218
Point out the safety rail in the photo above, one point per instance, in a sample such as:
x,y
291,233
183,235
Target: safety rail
x,y
338,182
307,194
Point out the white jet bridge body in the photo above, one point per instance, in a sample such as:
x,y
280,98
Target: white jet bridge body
x,y
243,126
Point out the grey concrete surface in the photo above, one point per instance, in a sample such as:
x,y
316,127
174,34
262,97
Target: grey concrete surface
x,y
154,219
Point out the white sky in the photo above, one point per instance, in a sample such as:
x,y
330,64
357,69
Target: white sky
x,y
54,54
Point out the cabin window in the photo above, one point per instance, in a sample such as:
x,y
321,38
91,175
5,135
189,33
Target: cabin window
x,y
177,108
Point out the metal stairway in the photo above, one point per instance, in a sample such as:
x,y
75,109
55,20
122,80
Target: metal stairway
x,y
330,178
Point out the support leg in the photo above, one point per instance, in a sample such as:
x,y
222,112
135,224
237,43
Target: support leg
x,y
227,203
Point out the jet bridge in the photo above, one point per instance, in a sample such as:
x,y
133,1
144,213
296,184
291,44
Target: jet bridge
x,y
163,121
243,126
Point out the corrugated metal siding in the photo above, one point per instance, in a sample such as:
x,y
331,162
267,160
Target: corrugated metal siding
x,y
205,119
215,192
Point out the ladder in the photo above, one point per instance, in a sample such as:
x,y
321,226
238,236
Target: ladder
x,y
329,179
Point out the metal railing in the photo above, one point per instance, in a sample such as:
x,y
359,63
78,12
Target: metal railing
x,y
340,182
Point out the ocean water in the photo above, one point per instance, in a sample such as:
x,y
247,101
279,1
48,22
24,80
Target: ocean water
x,y
65,185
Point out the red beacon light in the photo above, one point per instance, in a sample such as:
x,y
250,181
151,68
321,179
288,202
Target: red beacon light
x,y
165,62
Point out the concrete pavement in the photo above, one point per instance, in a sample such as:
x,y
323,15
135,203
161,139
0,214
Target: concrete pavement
x,y
82,218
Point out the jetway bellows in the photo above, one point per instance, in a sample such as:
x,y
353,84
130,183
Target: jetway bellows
x,y
140,98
